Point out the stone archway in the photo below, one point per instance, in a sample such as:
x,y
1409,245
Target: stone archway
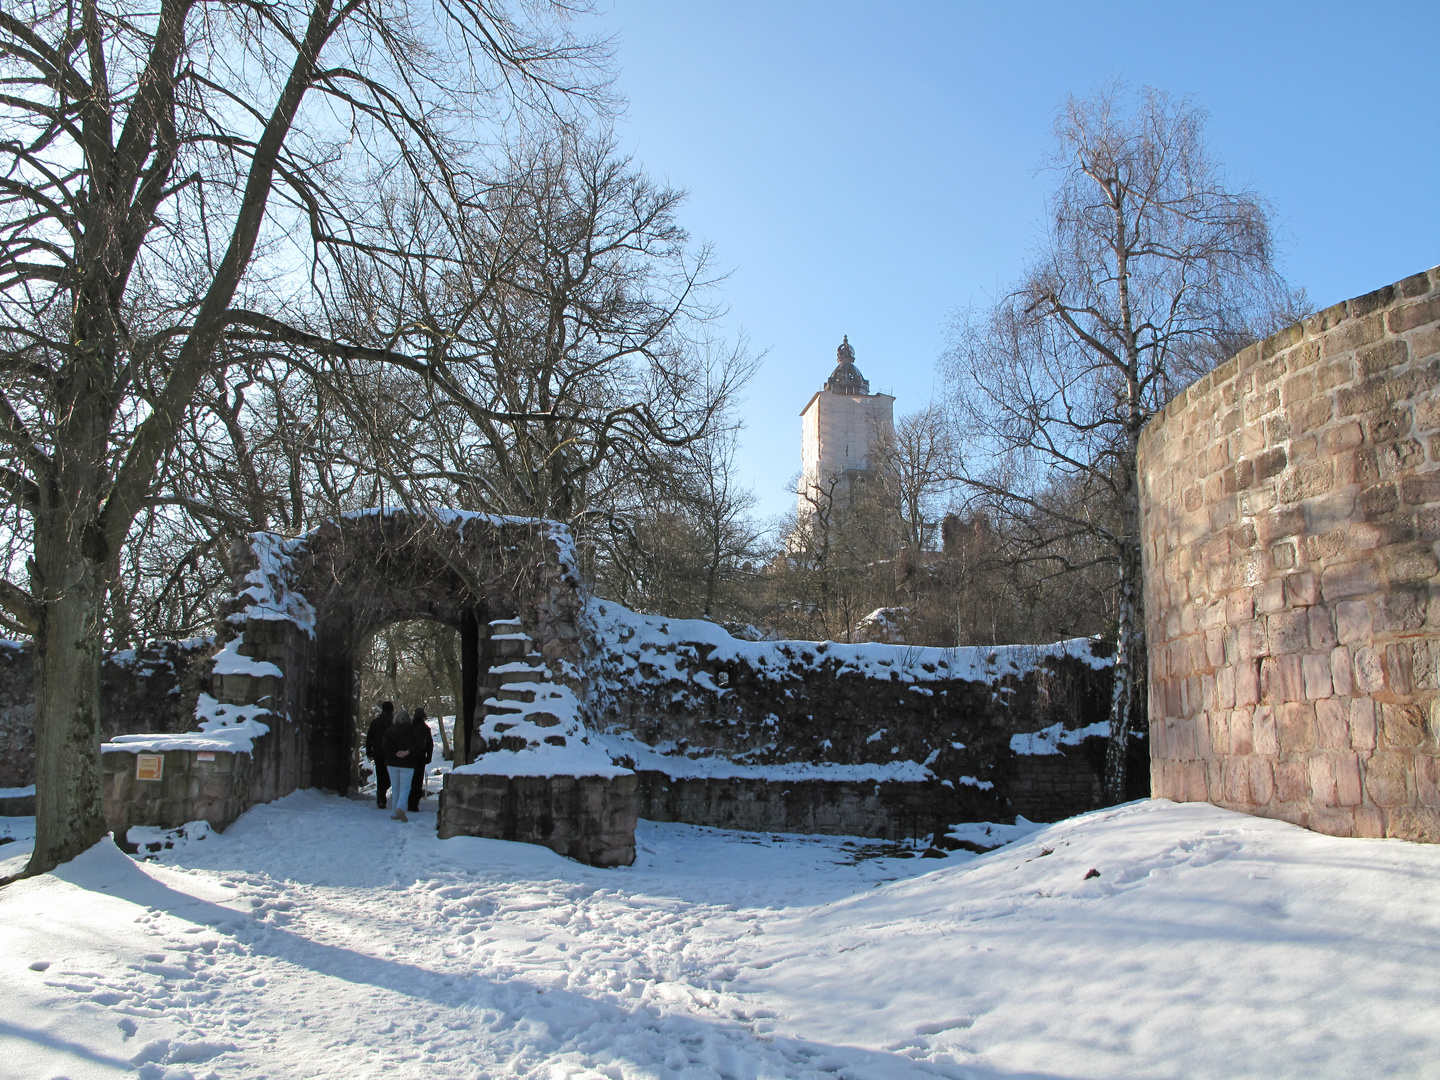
x,y
303,607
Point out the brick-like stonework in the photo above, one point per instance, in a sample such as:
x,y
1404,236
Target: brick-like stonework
x,y
807,703
215,789
587,818
1291,525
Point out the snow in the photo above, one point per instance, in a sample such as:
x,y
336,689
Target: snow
x,y
553,712
1049,740
231,661
672,646
268,590
575,758
224,727
316,937
16,792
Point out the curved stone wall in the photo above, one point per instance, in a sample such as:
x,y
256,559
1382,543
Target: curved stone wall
x,y
1291,525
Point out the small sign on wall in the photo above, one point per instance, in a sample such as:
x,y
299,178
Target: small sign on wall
x,y
149,766
205,755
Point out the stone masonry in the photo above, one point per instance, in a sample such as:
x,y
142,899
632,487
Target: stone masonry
x,y
587,818
1291,525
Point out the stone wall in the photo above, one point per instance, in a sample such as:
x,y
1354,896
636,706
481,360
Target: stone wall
x,y
193,786
884,810
1291,514
587,818
17,716
907,733
153,689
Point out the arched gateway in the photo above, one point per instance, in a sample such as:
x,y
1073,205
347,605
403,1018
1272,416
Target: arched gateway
x,y
305,605
284,693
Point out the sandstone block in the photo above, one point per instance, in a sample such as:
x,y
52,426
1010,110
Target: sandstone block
x,y
1348,579
1219,733
1288,632
1353,621
1346,771
1224,688
1397,669
1332,726
1409,316
1270,595
1402,726
1238,726
1321,629
1281,679
1262,780
1307,482
1295,726
1330,822
1341,671
1420,824
1384,773
1292,781
1315,668
1369,669
1400,611
1409,567
1427,779
1263,731
1363,727
1380,499
1369,822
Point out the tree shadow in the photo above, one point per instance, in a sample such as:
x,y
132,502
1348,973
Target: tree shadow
x,y
727,1047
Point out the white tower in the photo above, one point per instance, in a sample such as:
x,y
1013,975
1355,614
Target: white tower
x,y
839,426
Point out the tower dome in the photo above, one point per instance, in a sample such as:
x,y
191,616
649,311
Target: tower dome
x,y
846,378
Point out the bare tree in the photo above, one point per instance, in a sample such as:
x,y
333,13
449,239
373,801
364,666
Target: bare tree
x,y
1150,268
918,466
565,345
175,179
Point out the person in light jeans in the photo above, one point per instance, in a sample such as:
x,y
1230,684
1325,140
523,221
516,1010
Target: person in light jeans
x,y
402,753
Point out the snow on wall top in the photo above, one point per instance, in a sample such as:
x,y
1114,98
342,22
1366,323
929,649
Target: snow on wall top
x,y
228,728
625,633
269,585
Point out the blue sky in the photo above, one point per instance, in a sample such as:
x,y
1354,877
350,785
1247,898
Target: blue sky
x,y
867,169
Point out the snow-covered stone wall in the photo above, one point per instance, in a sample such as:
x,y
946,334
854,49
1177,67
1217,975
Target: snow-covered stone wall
x,y
849,735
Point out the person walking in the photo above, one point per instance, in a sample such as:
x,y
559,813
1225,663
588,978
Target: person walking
x,y
402,751
375,749
425,748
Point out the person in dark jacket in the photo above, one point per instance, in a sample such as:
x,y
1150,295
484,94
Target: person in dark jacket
x,y
425,747
403,749
375,749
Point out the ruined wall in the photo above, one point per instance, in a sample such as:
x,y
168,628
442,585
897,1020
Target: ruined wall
x,y
152,689
858,739
1291,514
587,818
17,715
212,786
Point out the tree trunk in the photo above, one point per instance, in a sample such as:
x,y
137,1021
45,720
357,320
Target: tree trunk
x,y
69,815
1129,646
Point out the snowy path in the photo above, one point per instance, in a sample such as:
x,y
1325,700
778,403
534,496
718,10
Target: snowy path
x,y
319,938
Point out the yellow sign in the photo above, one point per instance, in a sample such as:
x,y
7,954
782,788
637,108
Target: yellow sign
x,y
149,766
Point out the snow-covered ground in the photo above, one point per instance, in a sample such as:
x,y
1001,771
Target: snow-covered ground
x,y
319,938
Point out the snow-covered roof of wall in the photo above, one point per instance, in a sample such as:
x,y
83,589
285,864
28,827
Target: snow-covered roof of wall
x,y
628,633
